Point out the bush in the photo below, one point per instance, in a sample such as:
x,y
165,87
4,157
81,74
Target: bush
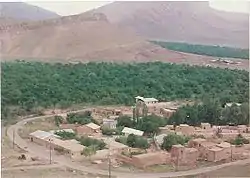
x,y
66,135
79,118
58,120
108,131
239,140
122,140
125,121
173,139
137,142
86,141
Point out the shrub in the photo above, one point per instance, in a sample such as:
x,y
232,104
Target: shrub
x,y
66,135
239,140
86,141
58,120
173,139
137,142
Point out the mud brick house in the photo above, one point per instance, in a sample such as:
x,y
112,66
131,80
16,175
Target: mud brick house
x,y
205,126
202,145
185,129
167,113
41,137
146,159
88,129
69,147
181,155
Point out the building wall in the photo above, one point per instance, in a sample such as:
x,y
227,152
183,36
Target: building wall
x,y
39,141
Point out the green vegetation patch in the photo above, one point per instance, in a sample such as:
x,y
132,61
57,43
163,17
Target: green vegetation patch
x,y
32,84
217,51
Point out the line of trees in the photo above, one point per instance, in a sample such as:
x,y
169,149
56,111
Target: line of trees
x,y
217,51
31,85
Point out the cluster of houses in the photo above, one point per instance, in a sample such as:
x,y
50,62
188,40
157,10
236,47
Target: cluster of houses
x,y
208,148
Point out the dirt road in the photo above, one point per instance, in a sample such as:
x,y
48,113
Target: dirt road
x,y
35,150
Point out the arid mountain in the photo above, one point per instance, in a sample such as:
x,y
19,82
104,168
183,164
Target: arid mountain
x,y
191,22
23,11
83,38
75,38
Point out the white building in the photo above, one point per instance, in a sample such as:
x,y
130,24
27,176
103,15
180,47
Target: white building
x,y
109,123
146,100
127,131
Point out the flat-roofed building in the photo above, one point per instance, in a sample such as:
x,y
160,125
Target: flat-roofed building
x,y
41,137
88,129
127,131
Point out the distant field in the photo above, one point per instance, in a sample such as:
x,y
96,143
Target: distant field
x,y
216,51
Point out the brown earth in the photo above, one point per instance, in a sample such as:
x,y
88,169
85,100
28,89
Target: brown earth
x,y
87,37
48,173
192,22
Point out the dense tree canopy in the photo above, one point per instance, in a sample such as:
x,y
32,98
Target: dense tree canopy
x,y
32,84
216,51
212,112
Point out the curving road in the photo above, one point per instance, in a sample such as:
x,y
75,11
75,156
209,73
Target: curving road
x,y
63,161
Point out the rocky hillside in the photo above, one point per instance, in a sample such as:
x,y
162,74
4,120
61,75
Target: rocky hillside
x,y
191,22
75,38
23,11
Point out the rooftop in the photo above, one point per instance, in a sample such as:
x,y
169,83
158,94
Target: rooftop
x,y
41,134
71,145
184,125
230,104
190,150
113,144
152,155
128,130
224,145
199,140
215,149
207,144
146,99
93,126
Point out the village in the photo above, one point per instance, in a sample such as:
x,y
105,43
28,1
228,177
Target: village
x,y
102,139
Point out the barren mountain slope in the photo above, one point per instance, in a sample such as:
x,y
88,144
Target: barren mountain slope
x,y
85,37
192,22
24,11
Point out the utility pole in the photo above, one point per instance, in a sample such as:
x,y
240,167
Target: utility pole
x,y
50,151
109,161
13,139
177,162
231,152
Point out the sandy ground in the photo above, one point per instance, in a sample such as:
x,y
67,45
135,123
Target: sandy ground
x,y
48,173
43,124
